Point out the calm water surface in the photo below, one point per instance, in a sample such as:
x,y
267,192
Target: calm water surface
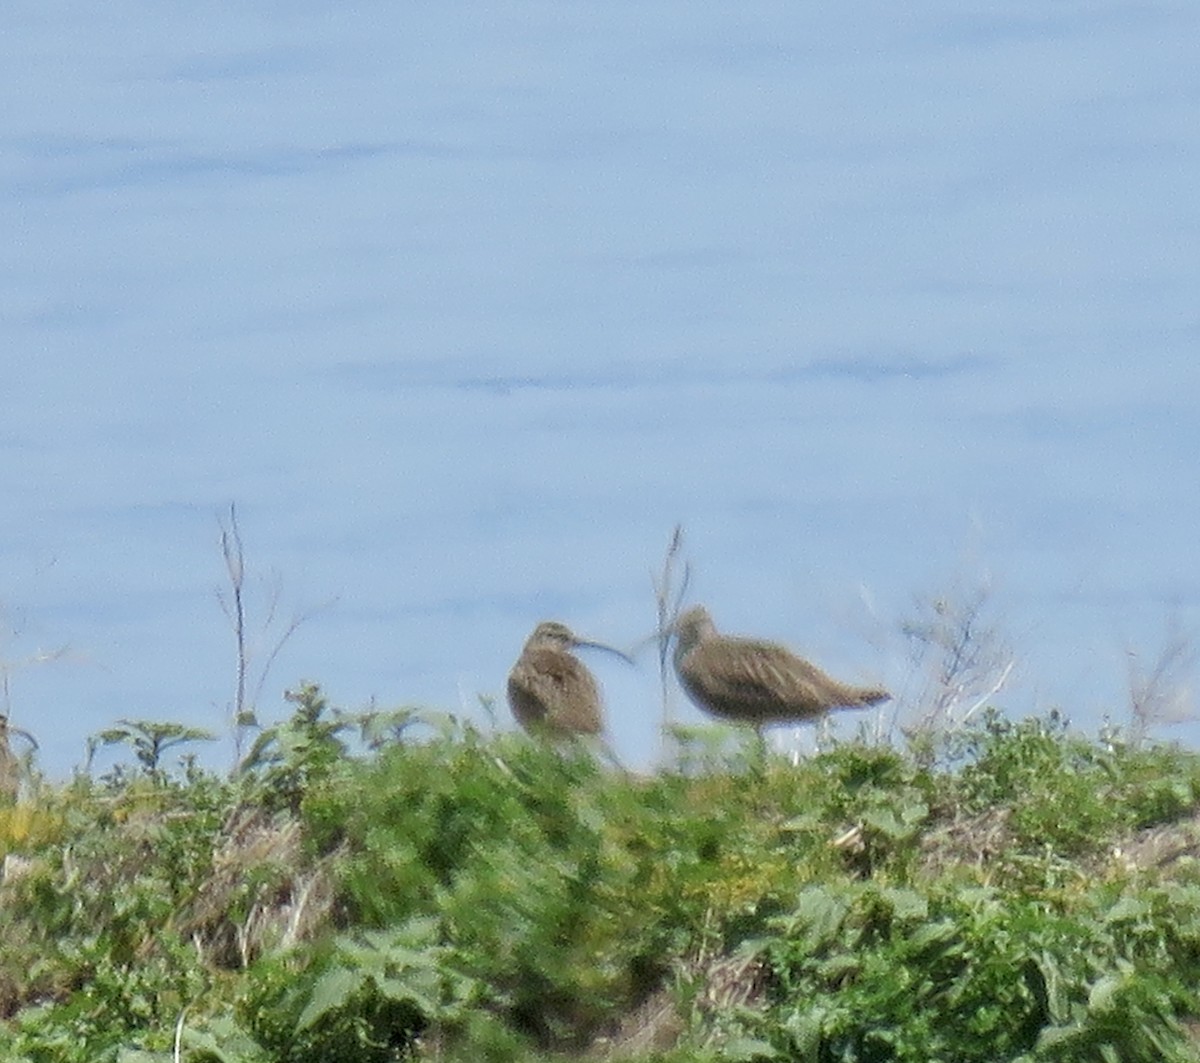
x,y
466,308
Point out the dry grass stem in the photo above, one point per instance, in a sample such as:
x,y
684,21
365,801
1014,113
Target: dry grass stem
x,y
1162,694
670,589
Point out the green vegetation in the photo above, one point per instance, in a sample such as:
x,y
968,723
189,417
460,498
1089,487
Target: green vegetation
x,y
443,894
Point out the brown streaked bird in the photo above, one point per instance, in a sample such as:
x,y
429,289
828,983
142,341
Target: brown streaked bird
x,y
753,681
550,691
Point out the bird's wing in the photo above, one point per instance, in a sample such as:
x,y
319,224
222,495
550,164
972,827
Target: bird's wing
x,y
753,680
749,677
549,683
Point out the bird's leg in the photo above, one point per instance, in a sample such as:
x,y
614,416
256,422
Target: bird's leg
x,y
610,755
760,749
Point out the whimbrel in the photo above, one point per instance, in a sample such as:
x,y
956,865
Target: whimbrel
x,y
756,682
550,690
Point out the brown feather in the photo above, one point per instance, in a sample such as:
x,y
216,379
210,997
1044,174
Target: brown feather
x,y
754,681
550,691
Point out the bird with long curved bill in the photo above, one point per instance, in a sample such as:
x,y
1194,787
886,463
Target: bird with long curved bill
x,y
550,691
753,681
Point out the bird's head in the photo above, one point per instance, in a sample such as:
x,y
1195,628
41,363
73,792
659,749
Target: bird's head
x,y
551,634
692,625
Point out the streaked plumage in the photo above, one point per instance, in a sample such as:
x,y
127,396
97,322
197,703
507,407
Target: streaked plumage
x,y
753,681
550,691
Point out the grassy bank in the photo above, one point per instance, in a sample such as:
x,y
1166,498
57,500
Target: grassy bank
x,y
1024,894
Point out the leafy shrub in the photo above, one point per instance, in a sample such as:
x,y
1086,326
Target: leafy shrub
x,y
464,897
509,846
369,1000
868,973
1067,794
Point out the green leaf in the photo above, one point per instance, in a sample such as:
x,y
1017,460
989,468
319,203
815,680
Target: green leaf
x,y
1127,908
906,904
1056,1001
930,934
744,1049
223,1041
820,913
885,821
837,968
1060,1038
1103,994
330,993
402,991
805,1029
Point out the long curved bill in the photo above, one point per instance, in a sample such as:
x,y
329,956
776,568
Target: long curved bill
x,y
606,647
656,638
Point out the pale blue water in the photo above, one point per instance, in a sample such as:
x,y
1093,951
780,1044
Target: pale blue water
x,y
466,307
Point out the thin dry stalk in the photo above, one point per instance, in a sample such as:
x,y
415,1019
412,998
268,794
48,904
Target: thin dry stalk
x,y
988,694
9,667
668,599
178,1056
234,607
249,682
1162,694
962,659
13,768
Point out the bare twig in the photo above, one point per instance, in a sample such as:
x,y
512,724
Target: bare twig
x,y
669,598
269,661
9,666
249,683
1162,694
178,1056
235,609
990,693
963,660
14,768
